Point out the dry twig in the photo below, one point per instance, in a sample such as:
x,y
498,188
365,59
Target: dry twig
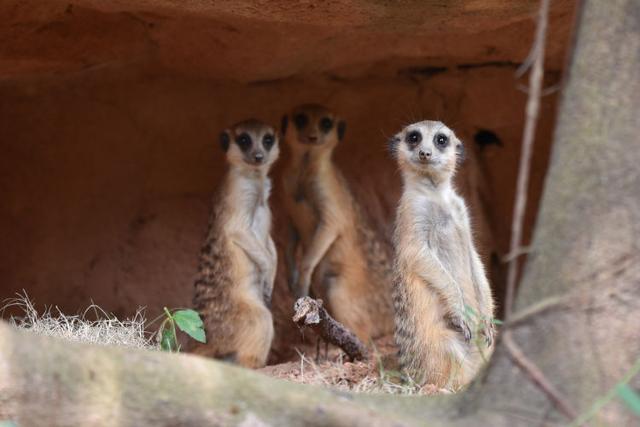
x,y
537,376
533,106
309,312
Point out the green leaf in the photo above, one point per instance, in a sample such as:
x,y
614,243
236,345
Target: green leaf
x,y
187,316
168,339
190,323
497,322
198,335
630,397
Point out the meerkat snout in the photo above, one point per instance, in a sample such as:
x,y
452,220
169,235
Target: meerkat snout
x,y
258,157
250,143
313,126
427,147
424,155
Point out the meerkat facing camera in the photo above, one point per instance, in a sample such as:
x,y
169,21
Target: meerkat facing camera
x,y
342,260
442,299
238,259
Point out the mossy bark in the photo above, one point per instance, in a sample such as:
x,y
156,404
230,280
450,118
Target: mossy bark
x,y
585,255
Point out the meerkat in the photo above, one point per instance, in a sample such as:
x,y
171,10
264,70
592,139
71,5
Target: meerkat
x,y
238,259
341,259
442,299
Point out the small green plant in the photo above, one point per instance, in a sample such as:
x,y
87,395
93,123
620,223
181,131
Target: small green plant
x,y
187,320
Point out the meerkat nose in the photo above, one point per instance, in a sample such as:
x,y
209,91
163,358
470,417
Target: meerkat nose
x,y
424,155
259,157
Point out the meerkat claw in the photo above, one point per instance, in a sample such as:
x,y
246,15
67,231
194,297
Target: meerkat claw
x,y
488,331
460,325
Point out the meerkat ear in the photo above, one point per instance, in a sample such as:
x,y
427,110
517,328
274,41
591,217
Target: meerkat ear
x,y
283,124
392,146
460,152
225,139
342,128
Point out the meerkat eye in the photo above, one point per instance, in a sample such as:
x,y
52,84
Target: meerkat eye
x,y
414,137
440,140
243,141
268,141
300,120
326,124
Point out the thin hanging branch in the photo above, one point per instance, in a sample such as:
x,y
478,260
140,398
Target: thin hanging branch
x,y
536,58
536,375
533,107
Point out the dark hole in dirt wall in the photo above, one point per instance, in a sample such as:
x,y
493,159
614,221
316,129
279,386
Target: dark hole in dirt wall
x,y
109,116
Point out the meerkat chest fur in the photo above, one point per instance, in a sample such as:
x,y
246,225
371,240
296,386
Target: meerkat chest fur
x,y
319,196
327,193
437,217
248,198
251,208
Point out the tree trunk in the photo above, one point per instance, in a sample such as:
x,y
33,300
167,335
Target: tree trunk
x,y
586,247
583,276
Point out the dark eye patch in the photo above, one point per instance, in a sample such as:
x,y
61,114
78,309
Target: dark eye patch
x,y
268,141
326,124
244,141
413,138
440,141
300,120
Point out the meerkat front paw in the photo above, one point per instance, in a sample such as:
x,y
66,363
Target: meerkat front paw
x,y
488,331
459,323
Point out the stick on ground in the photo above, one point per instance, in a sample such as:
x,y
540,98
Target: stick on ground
x,y
310,313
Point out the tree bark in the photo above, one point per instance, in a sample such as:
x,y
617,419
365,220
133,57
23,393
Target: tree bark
x,y
577,313
583,273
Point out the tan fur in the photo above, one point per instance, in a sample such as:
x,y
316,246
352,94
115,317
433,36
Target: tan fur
x,y
238,259
339,256
442,299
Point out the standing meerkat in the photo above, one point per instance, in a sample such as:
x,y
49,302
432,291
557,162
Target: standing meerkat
x,y
442,299
342,260
238,259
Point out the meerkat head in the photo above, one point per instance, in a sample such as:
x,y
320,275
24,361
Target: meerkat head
x,y
427,148
250,145
312,127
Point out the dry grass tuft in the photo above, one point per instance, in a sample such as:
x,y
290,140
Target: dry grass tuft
x,y
94,325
